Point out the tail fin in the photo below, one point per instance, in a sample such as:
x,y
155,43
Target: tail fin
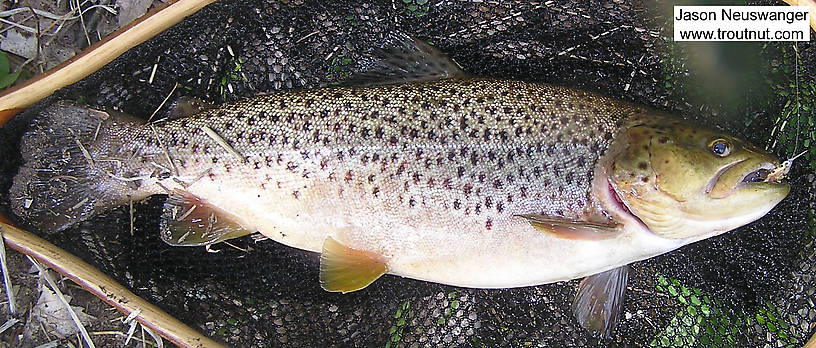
x,y
67,156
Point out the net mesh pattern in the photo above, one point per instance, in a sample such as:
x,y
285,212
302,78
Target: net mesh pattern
x,y
750,287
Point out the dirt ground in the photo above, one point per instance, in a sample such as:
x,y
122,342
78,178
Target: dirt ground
x,y
35,36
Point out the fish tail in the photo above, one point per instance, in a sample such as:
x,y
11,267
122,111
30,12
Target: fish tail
x,y
70,157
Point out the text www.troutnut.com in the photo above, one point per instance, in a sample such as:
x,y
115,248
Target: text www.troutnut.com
x,y
741,23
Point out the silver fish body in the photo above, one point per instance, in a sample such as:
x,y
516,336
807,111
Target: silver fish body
x,y
432,176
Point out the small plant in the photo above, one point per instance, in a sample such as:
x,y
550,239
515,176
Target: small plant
x,y
795,128
417,8
7,78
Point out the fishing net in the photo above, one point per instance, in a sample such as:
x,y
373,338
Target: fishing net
x,y
750,287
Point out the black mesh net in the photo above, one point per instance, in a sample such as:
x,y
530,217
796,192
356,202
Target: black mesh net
x,y
750,287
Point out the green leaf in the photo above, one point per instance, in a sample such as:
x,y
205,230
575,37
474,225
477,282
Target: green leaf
x,y
9,79
4,64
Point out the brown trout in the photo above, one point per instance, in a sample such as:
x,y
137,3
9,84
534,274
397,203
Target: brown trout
x,y
470,182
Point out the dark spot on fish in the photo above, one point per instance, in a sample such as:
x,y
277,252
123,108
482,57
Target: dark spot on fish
x,y
489,224
564,120
663,140
349,176
644,179
296,194
467,189
412,202
643,165
457,204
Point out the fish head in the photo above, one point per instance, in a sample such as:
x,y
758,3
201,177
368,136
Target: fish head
x,y
685,181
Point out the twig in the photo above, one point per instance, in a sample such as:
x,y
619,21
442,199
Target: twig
x,y
220,141
6,277
130,203
55,288
42,328
105,288
117,333
157,338
98,55
82,22
130,332
163,101
50,15
166,151
9,323
51,344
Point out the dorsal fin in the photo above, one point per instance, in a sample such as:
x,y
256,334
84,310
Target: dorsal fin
x,y
186,106
404,59
191,221
343,269
569,229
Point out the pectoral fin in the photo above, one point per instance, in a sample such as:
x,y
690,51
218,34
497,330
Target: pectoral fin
x,y
191,221
576,230
599,301
343,269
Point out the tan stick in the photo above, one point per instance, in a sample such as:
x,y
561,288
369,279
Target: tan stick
x,y
105,288
809,3
811,343
97,55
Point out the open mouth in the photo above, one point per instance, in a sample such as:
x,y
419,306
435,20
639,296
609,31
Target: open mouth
x,y
759,175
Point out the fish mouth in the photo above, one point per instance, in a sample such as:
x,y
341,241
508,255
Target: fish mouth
x,y
759,174
740,175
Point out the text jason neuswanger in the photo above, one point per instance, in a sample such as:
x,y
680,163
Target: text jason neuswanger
x,y
728,14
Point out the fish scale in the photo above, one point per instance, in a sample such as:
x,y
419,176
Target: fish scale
x,y
457,146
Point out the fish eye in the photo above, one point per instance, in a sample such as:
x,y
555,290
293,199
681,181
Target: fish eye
x,y
720,147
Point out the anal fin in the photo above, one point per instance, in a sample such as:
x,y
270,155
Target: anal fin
x,y
599,301
575,230
343,269
191,221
